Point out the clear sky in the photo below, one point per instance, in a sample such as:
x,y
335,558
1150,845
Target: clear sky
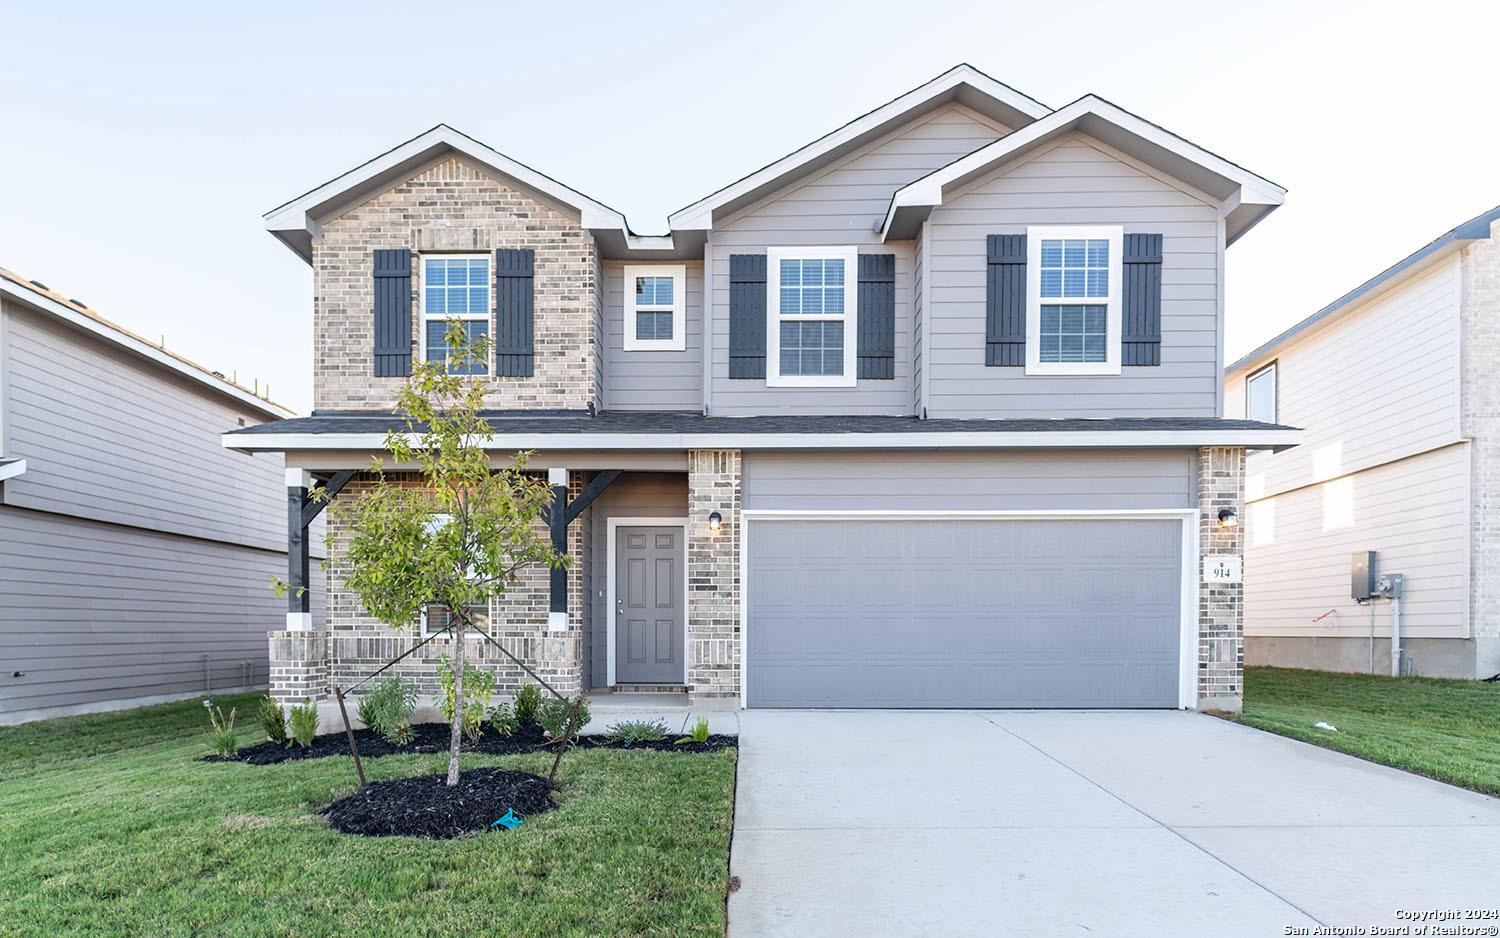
x,y
140,143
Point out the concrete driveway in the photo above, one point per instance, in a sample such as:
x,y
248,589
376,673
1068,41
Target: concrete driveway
x,y
1155,823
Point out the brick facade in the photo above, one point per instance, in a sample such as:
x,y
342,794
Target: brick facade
x,y
1221,606
356,644
713,570
453,206
299,666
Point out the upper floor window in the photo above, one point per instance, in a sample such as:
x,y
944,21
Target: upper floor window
x,y
1260,395
454,286
1073,302
810,317
654,308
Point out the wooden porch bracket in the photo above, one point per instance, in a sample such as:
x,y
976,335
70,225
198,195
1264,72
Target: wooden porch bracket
x,y
564,513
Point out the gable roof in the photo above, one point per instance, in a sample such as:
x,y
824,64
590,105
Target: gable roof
x,y
298,221
1475,229
1248,197
48,301
964,84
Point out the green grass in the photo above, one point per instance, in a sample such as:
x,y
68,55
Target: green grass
x,y
110,826
1444,729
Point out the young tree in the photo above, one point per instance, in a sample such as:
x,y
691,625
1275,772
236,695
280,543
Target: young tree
x,y
463,533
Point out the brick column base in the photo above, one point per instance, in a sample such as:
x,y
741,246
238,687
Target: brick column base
x,y
1221,606
299,666
713,625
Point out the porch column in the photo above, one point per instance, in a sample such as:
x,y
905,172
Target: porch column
x,y
557,606
1221,603
298,598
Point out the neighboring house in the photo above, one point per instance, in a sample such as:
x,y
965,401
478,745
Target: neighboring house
x,y
135,552
1398,386
925,414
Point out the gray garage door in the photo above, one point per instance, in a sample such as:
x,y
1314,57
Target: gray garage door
x,y
980,613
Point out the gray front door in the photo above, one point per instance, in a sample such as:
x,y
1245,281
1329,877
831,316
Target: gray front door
x,y
648,605
971,613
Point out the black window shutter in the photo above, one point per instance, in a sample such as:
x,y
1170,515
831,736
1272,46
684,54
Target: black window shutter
x,y
393,313
1140,295
514,312
1005,301
747,315
877,316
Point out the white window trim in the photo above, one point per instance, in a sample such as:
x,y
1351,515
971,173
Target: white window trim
x,y
423,318
1275,392
774,257
678,273
1115,234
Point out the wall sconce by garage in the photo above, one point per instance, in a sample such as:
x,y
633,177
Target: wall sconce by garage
x,y
715,521
1228,519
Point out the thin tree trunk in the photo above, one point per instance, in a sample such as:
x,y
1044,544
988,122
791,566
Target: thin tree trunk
x,y
455,737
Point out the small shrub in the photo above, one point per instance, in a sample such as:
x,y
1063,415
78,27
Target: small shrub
x,y
273,720
698,734
304,720
479,684
553,715
222,735
528,701
503,719
637,731
388,707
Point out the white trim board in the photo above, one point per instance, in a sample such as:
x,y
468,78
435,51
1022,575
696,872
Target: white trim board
x,y
611,528
958,439
1187,671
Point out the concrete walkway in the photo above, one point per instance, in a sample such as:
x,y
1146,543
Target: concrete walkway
x,y
954,823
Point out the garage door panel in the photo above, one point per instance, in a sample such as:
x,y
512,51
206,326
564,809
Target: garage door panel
x,y
963,613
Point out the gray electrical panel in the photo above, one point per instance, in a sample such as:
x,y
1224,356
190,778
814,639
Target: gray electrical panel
x,y
1362,575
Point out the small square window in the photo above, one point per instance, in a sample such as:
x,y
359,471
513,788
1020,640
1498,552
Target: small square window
x,y
654,308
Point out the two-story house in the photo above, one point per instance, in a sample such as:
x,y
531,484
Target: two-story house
x,y
135,551
924,414
1397,384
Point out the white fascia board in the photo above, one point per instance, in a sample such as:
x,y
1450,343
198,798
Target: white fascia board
x,y
302,214
11,469
967,439
143,349
927,192
699,215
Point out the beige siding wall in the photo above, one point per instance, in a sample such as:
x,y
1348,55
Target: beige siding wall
x,y
1380,383
1076,182
1413,512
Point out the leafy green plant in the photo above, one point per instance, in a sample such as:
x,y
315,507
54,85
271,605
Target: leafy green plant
x,y
528,700
698,734
304,720
503,719
272,720
222,735
637,731
478,683
463,534
388,707
554,714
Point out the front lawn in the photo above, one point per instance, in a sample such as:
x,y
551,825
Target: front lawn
x,y
109,825
1445,729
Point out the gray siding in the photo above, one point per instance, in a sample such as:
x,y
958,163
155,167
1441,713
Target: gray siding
x,y
634,494
1076,182
96,613
840,205
966,481
652,380
111,438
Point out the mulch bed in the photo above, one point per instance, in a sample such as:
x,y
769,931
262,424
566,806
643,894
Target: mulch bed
x,y
424,806
433,738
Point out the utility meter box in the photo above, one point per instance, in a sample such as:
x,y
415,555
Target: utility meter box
x,y
1362,575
